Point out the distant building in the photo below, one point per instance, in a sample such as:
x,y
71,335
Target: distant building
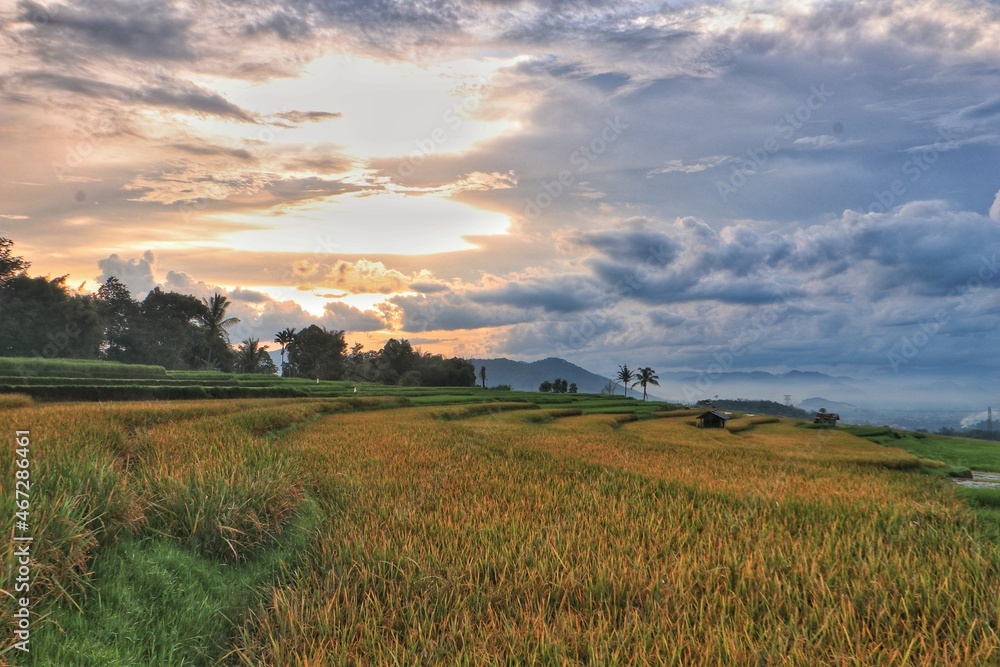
x,y
828,418
705,403
712,420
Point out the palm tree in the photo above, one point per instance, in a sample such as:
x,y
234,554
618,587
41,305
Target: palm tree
x,y
625,375
644,377
284,339
216,323
482,375
250,356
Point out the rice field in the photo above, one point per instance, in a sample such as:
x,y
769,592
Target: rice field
x,y
377,531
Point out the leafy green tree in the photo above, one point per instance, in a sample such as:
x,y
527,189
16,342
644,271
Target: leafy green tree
x,y
625,375
573,388
120,313
40,317
482,375
11,265
545,387
318,353
436,371
166,332
646,376
400,355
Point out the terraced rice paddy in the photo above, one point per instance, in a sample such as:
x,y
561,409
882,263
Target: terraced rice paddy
x,y
343,531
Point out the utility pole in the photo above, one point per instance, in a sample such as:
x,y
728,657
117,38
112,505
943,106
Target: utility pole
x,y
989,421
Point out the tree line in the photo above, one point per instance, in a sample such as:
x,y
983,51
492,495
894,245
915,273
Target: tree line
x,y
43,317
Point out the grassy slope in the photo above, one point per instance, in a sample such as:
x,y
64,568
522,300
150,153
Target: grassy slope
x,y
546,536
957,452
960,454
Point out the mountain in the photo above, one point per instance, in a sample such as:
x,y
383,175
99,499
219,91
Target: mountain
x,y
526,376
816,403
691,386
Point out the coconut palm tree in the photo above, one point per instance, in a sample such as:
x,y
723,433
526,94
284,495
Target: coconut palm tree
x,y
284,338
646,376
625,375
216,325
251,357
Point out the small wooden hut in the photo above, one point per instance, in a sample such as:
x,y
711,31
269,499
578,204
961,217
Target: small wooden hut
x,y
827,418
712,419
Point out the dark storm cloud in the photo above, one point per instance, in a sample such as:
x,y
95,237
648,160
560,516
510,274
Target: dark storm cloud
x,y
142,30
557,294
450,312
179,95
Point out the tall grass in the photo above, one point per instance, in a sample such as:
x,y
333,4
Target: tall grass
x,y
493,541
488,538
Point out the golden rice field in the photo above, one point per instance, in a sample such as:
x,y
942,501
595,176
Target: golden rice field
x,y
446,535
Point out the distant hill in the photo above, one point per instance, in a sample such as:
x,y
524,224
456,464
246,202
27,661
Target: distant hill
x,y
816,403
526,376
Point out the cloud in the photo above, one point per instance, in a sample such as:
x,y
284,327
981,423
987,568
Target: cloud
x,y
341,316
156,105
164,92
682,167
136,272
555,294
144,30
299,117
210,150
822,141
183,182
451,311
360,277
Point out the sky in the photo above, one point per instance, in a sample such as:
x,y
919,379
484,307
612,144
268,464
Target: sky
x,y
705,186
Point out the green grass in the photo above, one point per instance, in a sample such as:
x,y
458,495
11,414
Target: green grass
x,y
81,368
959,453
981,496
155,602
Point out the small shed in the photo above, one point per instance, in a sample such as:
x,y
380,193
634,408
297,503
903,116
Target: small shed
x,y
712,419
828,418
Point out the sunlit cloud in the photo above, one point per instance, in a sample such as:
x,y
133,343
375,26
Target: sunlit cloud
x,y
386,223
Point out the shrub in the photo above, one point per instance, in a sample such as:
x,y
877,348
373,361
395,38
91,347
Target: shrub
x,y
229,517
